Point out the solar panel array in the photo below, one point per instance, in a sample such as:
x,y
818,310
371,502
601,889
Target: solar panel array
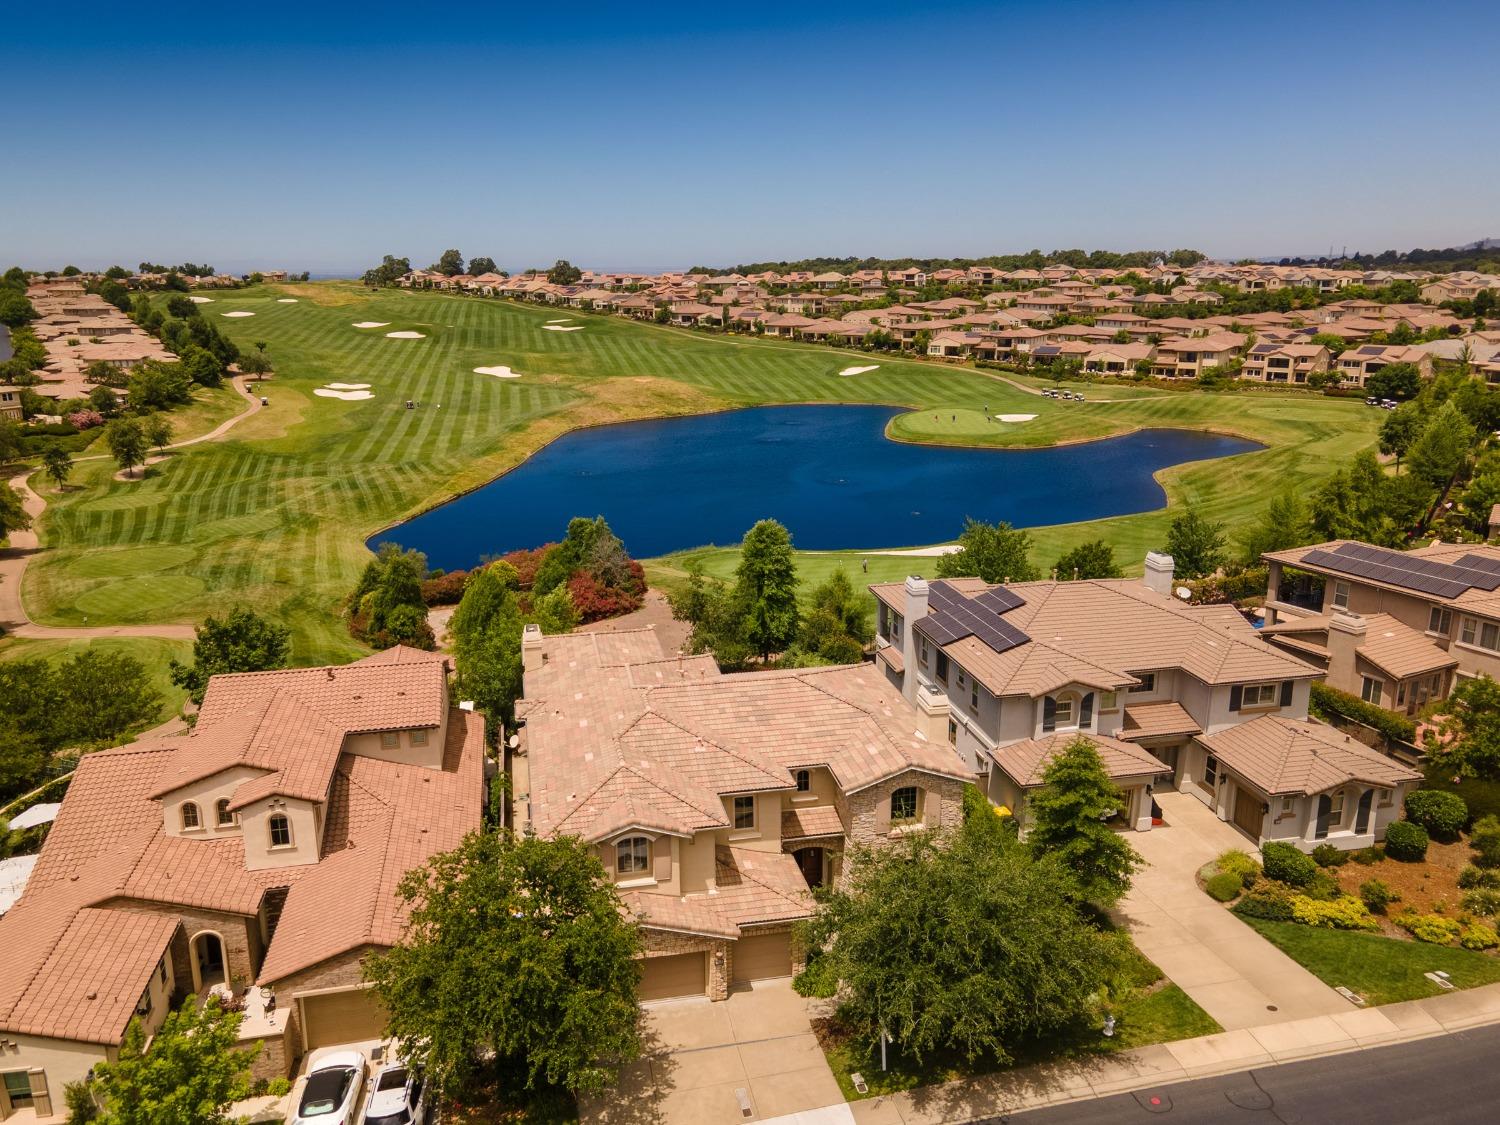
x,y
1425,576
954,617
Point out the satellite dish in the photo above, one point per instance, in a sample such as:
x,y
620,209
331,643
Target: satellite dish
x,y
1184,593
513,741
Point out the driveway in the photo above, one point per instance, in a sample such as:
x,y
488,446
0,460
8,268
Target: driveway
x,y
1233,973
701,1055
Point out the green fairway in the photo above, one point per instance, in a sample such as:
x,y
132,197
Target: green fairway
x,y
275,515
153,652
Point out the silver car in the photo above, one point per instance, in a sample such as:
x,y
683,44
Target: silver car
x,y
396,1096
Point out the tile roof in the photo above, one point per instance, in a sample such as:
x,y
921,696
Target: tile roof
x,y
750,888
810,821
1476,600
1026,761
1158,720
1301,757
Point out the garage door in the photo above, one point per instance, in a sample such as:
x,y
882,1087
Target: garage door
x,y
761,956
682,974
331,1018
1249,813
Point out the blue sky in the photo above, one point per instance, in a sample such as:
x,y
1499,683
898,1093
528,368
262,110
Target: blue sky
x,y
320,136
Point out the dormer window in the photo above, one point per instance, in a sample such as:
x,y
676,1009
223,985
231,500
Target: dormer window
x,y
281,831
804,781
222,814
632,855
190,817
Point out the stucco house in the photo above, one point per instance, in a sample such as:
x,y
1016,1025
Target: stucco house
x,y
256,855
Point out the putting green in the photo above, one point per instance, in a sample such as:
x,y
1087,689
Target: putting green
x,y
139,598
129,562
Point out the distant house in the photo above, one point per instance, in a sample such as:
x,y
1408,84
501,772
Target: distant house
x,y
10,403
1356,365
1284,363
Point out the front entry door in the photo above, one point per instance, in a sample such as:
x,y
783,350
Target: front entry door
x,y
1249,813
810,862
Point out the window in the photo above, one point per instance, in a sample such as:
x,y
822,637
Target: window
x,y
632,854
1385,797
281,831
1371,689
389,739
1148,683
804,781
1259,695
1210,771
222,813
1288,806
744,812
1439,620
974,696
143,1005
1341,595
941,667
18,1089
1336,807
1064,714
418,737
190,819
922,649
1109,701
162,968
952,732
1483,634
904,804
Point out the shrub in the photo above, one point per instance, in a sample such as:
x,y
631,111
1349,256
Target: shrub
x,y
1326,855
1368,856
1377,896
1269,901
1477,935
1323,887
1330,701
1344,913
279,1087
1442,814
80,1102
1432,928
1241,865
1284,863
1224,886
85,419
1406,841
1484,838
1474,878
1482,900
445,589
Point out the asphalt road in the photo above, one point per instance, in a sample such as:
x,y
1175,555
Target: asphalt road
x,y
1451,1079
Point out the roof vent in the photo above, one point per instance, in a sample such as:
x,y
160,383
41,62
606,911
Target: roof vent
x,y
330,672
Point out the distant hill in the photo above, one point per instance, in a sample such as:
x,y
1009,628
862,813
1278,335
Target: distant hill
x,y
1482,255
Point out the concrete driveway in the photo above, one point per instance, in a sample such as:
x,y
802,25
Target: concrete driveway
x,y
1237,976
701,1055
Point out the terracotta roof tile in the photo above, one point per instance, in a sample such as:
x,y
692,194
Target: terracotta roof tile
x,y
1158,720
1025,762
810,821
1282,756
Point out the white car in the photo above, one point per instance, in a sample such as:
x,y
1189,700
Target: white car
x,y
396,1096
332,1092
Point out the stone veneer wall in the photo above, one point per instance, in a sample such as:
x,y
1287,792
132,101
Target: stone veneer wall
x,y
344,971
664,943
869,816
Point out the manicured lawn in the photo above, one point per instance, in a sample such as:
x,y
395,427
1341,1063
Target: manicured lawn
x,y
153,652
276,515
1382,970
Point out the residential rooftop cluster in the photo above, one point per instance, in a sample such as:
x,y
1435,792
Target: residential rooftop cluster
x,y
79,328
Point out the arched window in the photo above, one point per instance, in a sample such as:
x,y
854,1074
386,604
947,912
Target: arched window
x,y
632,854
281,831
804,781
190,816
221,811
904,803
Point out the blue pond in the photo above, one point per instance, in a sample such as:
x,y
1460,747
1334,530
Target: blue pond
x,y
827,472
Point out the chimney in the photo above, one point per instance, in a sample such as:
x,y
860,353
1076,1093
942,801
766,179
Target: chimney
x,y
531,648
1346,632
913,611
1159,568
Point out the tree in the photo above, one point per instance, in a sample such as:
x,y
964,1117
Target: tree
x,y
160,386
1399,431
450,263
1195,544
10,441
256,363
835,628
58,464
485,631
994,552
240,641
127,443
107,694
766,584
1441,450
386,607
1398,381
1065,819
15,309
390,270
1467,741
564,272
202,366
190,1075
13,514
517,964
968,944
1286,522
717,618
158,430
482,265
1088,560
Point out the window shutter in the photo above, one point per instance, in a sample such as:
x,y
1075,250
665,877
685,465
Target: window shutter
x,y
41,1097
663,850
1049,714
1286,693
1236,695
1086,710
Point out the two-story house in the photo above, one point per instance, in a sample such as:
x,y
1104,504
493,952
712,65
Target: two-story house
x,y
1017,671
1284,363
256,855
717,801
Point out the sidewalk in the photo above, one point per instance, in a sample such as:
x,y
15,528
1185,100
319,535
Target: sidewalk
x,y
1164,1063
1233,973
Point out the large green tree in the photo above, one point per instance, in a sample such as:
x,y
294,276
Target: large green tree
x,y
1399,431
1398,381
1065,819
13,516
190,1074
564,272
1284,523
1467,741
240,641
485,632
450,263
516,966
127,443
386,607
1441,450
766,585
994,552
967,943
1196,544
1088,560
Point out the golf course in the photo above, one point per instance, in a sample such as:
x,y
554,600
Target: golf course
x,y
275,512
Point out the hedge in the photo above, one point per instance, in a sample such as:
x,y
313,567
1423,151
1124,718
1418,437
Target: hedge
x,y
1285,864
1406,841
1330,701
1442,814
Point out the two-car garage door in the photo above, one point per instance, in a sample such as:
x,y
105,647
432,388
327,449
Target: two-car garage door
x,y
333,1018
681,974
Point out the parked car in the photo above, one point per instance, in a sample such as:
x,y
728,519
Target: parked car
x,y
396,1096
332,1093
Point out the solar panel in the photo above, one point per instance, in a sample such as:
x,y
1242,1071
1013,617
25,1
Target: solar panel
x,y
1373,350
955,617
1000,600
1426,576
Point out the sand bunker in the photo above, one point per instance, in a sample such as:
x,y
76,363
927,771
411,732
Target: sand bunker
x,y
237,314
349,386
561,320
351,396
371,323
286,300
859,370
562,328
405,336
201,300
498,372
1015,417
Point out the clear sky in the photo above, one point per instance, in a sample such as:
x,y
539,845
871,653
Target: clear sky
x,y
650,136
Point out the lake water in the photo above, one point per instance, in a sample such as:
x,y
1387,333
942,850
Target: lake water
x,y
827,472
